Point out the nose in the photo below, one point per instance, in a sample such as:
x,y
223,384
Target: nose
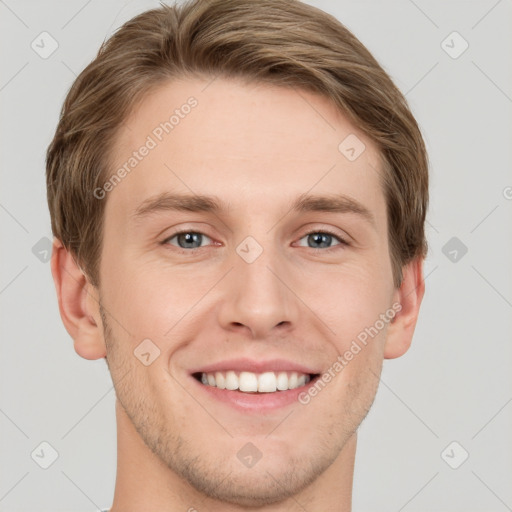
x,y
258,298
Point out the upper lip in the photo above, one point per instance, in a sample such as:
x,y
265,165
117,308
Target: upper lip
x,y
254,366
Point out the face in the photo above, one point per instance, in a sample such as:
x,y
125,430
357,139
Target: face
x,y
247,250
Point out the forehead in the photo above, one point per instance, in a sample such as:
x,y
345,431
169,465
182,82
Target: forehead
x,y
242,142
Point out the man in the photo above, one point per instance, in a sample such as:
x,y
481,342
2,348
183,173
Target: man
x,y
238,195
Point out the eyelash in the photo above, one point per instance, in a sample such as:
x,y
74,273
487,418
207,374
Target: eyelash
x,y
342,241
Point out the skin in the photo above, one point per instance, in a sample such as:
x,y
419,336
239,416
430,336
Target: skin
x,y
257,147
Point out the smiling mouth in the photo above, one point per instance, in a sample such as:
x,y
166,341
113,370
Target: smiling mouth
x,y
249,382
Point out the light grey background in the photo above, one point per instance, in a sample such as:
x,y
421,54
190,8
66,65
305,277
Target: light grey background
x,y
454,384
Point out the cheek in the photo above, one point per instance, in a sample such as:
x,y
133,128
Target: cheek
x,y
351,299
149,298
356,381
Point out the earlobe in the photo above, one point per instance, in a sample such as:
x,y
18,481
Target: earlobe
x,y
409,296
78,304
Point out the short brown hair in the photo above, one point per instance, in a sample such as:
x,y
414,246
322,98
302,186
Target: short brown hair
x,y
280,42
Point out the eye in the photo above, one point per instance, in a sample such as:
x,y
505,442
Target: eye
x,y
321,240
187,239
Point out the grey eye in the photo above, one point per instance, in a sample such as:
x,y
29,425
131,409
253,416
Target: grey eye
x,y
320,240
188,240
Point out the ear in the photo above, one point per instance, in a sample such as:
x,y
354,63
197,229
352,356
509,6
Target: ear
x,y
409,296
78,304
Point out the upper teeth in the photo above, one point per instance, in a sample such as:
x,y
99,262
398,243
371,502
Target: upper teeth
x,y
251,382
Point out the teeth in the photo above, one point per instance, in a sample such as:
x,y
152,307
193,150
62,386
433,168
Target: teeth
x,y
249,382
220,380
267,382
231,380
282,381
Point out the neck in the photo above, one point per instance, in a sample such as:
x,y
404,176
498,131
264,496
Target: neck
x,y
144,482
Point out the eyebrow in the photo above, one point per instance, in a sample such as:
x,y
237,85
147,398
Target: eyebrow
x,y
335,203
179,202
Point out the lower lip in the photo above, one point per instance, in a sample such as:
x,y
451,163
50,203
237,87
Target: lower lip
x,y
255,402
